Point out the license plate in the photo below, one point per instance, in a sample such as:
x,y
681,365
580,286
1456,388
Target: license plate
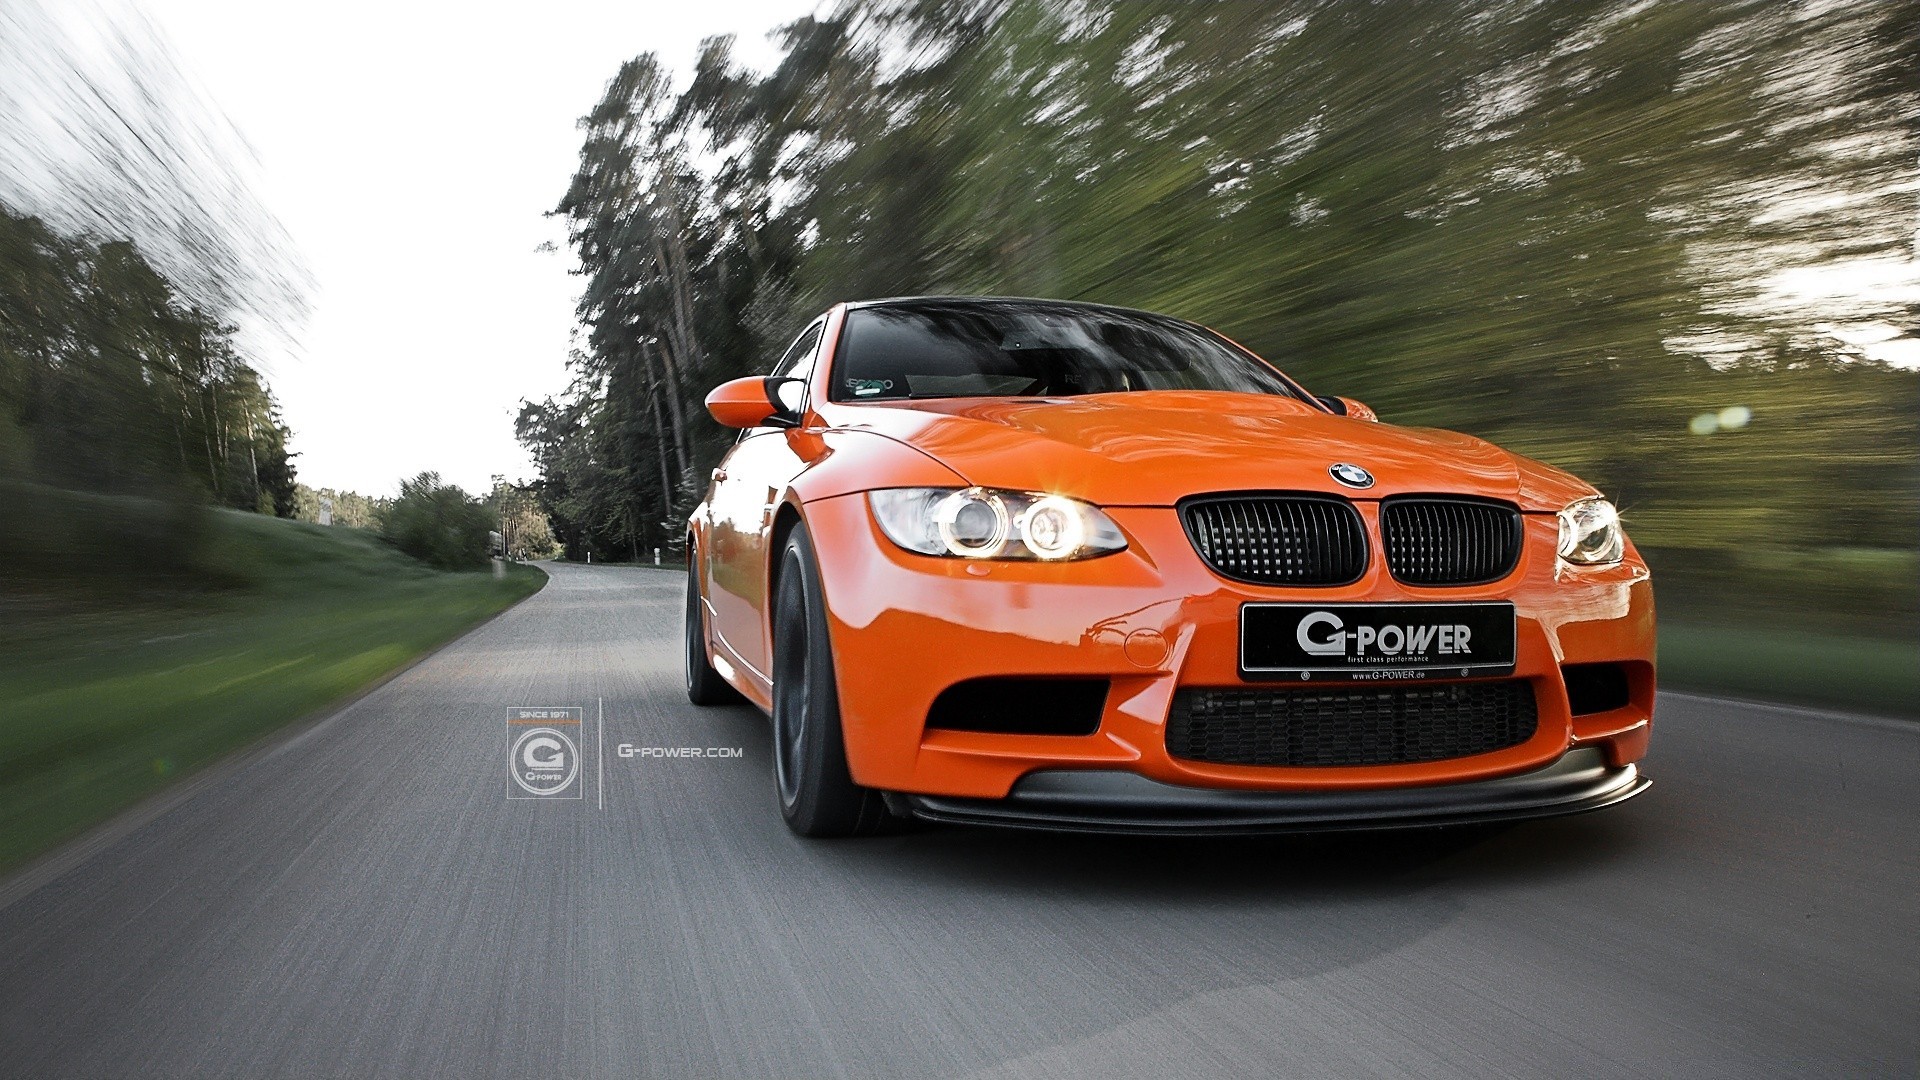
x,y
1366,642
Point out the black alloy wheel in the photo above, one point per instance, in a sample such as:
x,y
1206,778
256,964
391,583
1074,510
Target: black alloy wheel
x,y
818,797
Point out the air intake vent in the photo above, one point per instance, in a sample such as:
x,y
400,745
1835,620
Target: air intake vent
x,y
1021,706
1596,688
1357,725
1278,539
1437,541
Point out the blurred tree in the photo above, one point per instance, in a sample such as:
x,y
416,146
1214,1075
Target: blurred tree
x,y
110,382
681,266
1570,228
131,244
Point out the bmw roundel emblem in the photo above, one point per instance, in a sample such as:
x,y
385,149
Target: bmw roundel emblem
x,y
1351,475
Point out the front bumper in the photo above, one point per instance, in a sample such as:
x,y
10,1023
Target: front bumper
x,y
1114,801
1153,620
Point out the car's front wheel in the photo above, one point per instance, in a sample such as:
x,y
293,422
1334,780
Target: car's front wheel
x,y
818,797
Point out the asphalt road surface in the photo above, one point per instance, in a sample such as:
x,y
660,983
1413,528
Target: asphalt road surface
x,y
362,899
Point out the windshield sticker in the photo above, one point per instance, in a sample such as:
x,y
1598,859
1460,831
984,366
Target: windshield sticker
x,y
869,387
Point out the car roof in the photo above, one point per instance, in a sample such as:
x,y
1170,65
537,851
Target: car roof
x,y
993,301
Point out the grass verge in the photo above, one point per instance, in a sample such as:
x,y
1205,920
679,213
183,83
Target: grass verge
x,y
106,698
1863,674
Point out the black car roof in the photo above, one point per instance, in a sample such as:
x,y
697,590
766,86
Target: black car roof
x,y
990,301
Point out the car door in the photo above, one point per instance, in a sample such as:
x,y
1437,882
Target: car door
x,y
745,488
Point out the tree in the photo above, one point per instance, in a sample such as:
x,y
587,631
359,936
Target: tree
x,y
439,524
521,523
1570,228
110,381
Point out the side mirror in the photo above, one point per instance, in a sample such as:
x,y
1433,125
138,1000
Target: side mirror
x,y
758,401
1348,407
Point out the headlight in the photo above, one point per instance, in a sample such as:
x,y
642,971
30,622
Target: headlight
x,y
1590,533
987,523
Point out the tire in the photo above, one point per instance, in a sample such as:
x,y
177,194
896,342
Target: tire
x,y
818,797
704,684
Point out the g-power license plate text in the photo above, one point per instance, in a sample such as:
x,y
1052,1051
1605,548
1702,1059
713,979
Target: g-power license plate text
x,y
1367,642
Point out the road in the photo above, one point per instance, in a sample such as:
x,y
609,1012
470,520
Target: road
x,y
361,899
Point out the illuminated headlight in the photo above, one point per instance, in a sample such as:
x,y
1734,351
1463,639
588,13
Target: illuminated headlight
x,y
987,523
1590,533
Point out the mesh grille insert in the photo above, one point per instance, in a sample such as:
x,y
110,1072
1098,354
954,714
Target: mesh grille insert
x,y
1350,725
1278,539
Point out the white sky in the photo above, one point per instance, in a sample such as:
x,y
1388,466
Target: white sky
x,y
411,148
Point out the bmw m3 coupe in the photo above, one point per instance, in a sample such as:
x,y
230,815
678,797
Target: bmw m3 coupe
x,y
1059,565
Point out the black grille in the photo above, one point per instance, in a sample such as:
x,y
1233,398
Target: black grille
x,y
1279,539
1450,541
1350,725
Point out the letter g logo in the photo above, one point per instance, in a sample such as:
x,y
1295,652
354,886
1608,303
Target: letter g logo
x,y
545,762
544,753
1334,644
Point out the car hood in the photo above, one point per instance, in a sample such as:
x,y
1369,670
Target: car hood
x,y
1153,448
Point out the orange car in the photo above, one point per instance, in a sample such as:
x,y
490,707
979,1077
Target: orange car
x,y
1048,564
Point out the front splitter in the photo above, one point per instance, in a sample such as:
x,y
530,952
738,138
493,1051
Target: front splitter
x,y
1114,801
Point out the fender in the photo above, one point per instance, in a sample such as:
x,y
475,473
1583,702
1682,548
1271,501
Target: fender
x,y
845,462
830,463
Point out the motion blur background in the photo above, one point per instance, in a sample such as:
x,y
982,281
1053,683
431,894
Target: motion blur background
x,y
1668,246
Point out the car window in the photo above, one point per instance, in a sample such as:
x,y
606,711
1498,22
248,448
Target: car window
x,y
947,348
798,362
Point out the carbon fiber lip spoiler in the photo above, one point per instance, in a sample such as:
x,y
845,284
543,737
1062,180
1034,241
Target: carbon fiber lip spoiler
x,y
1114,801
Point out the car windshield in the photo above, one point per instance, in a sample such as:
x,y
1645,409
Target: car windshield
x,y
938,349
